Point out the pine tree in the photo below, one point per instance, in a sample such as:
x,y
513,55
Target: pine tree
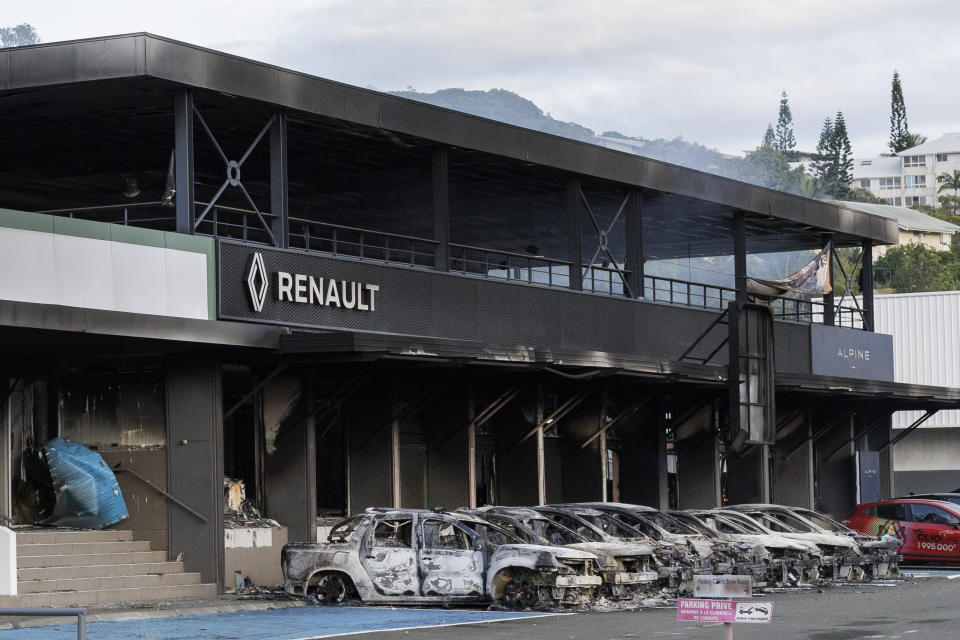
x,y
842,156
769,140
899,131
822,160
785,142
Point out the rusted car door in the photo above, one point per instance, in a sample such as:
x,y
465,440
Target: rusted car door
x,y
389,557
449,564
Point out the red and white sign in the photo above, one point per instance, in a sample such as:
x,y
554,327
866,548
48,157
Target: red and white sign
x,y
700,610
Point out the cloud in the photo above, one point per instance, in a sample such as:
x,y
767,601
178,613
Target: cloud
x,y
709,70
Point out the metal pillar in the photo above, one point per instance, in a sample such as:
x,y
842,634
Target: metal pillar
x,y
279,185
574,239
601,423
194,410
471,447
635,243
395,452
183,163
740,256
828,299
866,287
441,208
541,453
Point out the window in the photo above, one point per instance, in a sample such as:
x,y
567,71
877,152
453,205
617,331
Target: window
x,y
914,161
444,535
946,238
888,511
909,201
344,531
866,163
865,183
930,514
392,533
915,182
494,534
941,157
890,183
894,202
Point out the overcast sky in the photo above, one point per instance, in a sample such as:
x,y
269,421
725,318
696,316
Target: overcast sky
x,y
711,71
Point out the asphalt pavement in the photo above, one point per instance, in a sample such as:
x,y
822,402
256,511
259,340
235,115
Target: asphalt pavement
x,y
916,609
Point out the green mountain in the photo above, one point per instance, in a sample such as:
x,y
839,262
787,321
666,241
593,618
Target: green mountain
x,y
507,106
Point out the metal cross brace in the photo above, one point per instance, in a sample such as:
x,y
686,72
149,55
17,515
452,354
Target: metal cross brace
x,y
233,172
602,240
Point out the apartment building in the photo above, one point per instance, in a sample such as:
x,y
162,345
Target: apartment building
x,y
910,177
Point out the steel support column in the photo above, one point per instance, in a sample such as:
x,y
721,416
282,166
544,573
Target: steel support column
x,y
183,163
866,286
441,209
395,451
541,453
279,185
828,299
472,447
635,243
574,202
740,255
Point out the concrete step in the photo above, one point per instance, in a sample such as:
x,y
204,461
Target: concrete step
x,y
82,548
99,570
105,596
106,582
58,536
89,559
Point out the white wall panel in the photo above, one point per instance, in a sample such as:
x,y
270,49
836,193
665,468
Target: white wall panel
x,y
90,273
926,344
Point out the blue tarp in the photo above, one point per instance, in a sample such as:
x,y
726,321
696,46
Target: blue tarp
x,y
87,492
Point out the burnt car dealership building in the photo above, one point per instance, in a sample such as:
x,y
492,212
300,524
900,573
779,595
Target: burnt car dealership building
x,y
212,266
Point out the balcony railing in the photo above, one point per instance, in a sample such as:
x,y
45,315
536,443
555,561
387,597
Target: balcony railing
x,y
379,246
365,244
506,265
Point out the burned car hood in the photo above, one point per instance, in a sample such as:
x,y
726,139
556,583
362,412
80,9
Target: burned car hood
x,y
768,541
823,538
530,549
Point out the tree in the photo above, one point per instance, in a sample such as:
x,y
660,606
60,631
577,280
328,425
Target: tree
x,y
769,140
785,142
842,155
916,267
948,181
898,117
18,36
900,136
821,164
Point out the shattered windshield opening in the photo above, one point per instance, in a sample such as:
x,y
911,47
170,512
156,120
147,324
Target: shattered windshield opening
x,y
554,532
396,533
344,531
823,521
492,533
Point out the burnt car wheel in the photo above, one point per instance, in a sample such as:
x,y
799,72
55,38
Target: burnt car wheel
x,y
331,588
519,592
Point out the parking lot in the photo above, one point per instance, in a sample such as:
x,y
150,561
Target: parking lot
x,y
921,606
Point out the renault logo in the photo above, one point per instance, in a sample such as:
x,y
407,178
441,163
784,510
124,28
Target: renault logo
x,y
257,282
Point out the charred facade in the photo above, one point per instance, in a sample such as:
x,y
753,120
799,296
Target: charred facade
x,y
348,300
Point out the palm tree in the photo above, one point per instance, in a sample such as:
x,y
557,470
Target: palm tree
x,y
948,181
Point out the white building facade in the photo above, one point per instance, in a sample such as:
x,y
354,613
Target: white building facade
x,y
910,177
926,350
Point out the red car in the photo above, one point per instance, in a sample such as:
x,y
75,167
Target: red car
x,y
929,530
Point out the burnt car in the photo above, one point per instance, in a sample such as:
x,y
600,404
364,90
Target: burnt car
x,y
415,556
788,562
880,551
715,555
841,558
628,568
676,564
